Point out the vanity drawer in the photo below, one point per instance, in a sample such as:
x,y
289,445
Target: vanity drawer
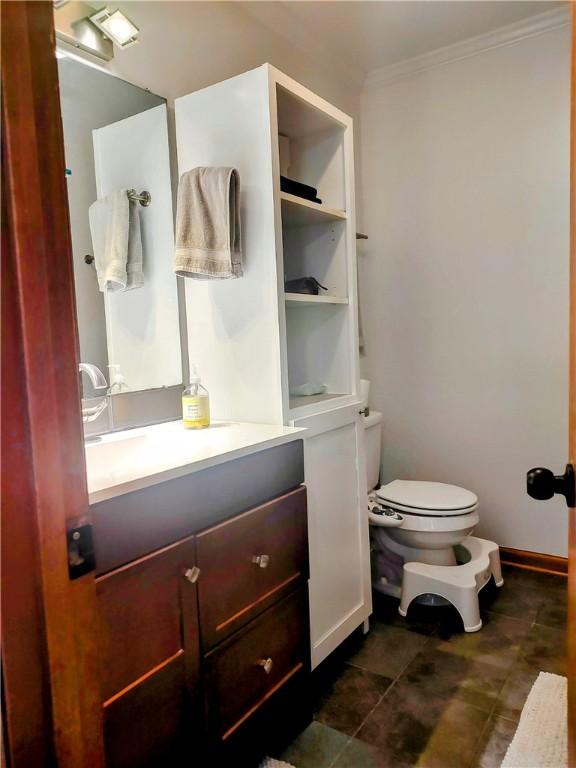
x,y
245,671
249,562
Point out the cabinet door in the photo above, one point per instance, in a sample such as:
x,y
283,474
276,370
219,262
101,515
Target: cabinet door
x,y
150,656
340,592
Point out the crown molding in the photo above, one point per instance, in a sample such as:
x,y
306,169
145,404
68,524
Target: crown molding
x,y
503,36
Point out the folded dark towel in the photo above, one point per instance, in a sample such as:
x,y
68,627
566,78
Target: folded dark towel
x,y
304,285
299,189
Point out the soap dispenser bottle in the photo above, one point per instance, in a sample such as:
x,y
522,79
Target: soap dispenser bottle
x,y
195,403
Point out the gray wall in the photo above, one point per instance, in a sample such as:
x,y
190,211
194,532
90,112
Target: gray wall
x,y
185,46
465,278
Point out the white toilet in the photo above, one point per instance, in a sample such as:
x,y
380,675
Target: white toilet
x,y
423,523
421,547
436,518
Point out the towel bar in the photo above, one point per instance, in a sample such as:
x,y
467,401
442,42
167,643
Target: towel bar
x,y
144,198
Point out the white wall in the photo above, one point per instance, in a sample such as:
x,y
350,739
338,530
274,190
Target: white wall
x,y
142,325
185,46
464,278
464,281
89,100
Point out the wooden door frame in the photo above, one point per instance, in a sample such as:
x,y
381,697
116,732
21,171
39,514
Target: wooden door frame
x,y
52,713
572,419
51,707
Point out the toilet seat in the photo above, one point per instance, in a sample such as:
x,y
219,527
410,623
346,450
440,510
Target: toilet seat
x,y
416,498
435,518
437,523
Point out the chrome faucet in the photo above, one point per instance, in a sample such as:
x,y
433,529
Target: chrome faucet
x,y
91,412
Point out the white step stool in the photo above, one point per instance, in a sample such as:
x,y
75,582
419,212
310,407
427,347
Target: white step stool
x,y
459,584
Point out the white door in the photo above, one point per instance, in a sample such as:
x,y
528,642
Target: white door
x,y
340,591
143,324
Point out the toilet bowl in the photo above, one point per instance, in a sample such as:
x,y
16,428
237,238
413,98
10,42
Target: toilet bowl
x,y
412,520
436,517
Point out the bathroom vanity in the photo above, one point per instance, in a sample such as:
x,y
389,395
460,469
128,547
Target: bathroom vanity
x,y
202,596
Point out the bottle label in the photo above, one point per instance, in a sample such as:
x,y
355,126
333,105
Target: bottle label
x,y
195,410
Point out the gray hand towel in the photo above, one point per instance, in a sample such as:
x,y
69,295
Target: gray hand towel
x,y
117,242
208,224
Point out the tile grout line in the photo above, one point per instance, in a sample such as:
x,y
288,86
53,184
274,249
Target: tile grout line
x,y
382,697
339,754
491,716
479,743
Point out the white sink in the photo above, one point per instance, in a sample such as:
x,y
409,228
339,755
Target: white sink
x,y
124,461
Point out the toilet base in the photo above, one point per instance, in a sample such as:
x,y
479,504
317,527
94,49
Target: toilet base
x,y
459,585
386,588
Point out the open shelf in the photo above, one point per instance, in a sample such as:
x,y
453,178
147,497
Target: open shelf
x,y
310,300
300,402
299,118
298,212
315,241
318,348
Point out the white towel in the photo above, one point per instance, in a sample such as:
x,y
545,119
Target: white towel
x,y
208,224
117,242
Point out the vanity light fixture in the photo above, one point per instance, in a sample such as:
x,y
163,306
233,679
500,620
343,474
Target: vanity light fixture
x,y
116,26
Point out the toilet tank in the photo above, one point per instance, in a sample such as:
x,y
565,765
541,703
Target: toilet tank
x,y
373,447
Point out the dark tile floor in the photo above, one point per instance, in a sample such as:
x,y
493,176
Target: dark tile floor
x,y
422,692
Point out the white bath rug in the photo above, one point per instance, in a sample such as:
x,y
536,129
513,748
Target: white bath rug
x,y
541,739
270,762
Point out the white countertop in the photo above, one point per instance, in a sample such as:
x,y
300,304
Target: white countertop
x,y
126,461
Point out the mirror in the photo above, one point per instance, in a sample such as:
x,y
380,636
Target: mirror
x,y
116,140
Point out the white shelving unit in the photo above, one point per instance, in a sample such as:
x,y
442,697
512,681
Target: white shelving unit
x,y
253,342
298,402
310,300
298,212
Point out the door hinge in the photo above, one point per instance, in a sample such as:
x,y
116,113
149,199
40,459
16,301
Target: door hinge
x,y
80,546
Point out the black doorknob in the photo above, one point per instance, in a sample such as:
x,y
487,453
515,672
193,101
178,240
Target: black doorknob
x,y
543,484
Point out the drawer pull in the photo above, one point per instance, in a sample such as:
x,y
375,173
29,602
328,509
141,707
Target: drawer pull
x,y
192,574
266,665
261,560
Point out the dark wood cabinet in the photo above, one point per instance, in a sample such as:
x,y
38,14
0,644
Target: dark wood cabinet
x,y
153,723
246,670
204,643
141,607
150,658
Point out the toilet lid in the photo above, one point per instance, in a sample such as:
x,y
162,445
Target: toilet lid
x,y
431,498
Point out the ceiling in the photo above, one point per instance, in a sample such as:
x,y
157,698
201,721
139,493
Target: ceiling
x,y
370,34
